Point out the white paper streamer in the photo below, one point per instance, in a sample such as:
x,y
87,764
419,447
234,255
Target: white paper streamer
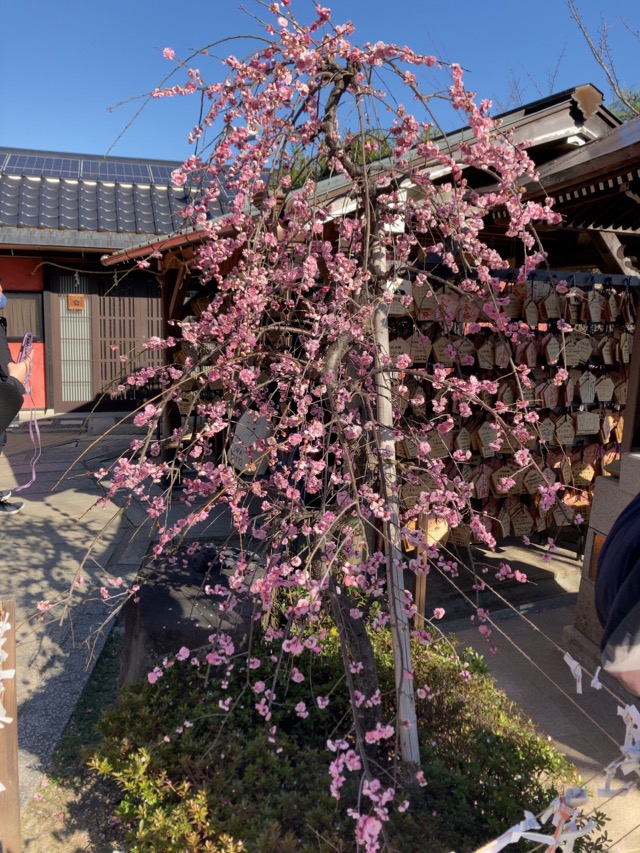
x,y
576,671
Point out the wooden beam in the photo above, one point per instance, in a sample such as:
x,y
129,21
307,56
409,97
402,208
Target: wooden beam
x,y
10,834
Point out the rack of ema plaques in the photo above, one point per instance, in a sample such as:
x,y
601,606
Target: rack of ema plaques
x,y
581,414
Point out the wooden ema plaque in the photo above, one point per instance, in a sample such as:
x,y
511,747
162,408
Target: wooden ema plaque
x,y
604,389
506,472
401,288
443,351
420,348
584,350
436,530
460,536
546,430
521,521
440,444
564,430
586,423
398,347
552,350
620,392
502,355
462,439
481,483
486,356
583,474
468,309
587,387
424,303
533,479
552,307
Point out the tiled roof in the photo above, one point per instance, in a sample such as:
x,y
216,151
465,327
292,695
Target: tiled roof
x,y
77,200
27,201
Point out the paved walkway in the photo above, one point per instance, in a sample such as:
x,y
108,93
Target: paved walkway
x,y
43,549
530,668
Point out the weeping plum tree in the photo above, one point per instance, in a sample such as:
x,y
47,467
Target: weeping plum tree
x,y
303,276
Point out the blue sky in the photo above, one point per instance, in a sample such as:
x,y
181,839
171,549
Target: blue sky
x,y
64,64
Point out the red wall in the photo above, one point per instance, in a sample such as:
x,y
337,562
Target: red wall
x,y
21,274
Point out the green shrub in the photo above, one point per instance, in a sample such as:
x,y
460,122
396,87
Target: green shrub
x,y
228,784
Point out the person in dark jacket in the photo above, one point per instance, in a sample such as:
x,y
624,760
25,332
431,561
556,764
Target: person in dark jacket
x,y
12,394
618,598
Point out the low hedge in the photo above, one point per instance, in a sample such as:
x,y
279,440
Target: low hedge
x,y
196,778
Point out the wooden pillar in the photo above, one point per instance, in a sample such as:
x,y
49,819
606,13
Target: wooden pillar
x,y
10,835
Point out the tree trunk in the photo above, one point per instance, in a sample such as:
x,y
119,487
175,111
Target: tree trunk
x,y
400,629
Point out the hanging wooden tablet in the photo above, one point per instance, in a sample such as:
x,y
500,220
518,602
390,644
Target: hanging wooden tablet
x,y
596,306
485,356
401,288
520,352
583,474
465,351
590,453
447,306
424,301
565,432
606,425
436,530
521,521
587,387
468,309
506,393
462,439
552,350
625,346
512,307
410,492
609,456
481,483
620,393
502,524
608,348
541,290
604,389
440,444
573,306
552,307
585,350
443,351
527,393
566,472
619,427
568,392
628,308
533,479
612,306
487,436
502,355
571,351
398,347
546,430
531,315
550,396
531,354
586,423
507,472
420,348
460,536
561,515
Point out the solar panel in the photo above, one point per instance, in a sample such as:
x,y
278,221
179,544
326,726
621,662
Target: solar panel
x,y
79,167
